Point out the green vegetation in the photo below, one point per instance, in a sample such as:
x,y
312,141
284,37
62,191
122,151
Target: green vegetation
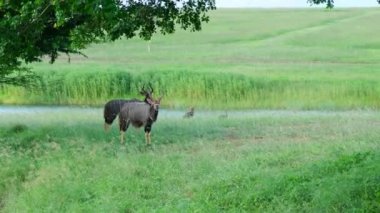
x,y
60,160
271,161
31,30
278,59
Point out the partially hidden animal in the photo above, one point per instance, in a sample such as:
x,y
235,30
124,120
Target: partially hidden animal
x,y
189,113
136,112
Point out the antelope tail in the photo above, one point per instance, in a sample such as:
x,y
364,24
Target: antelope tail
x,y
111,110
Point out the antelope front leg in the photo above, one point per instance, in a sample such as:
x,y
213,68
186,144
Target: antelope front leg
x,y
147,138
147,133
122,137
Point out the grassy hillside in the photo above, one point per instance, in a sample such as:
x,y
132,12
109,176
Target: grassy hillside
x,y
60,160
292,59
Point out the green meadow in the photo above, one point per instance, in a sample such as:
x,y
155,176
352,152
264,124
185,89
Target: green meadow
x,y
286,120
242,59
60,160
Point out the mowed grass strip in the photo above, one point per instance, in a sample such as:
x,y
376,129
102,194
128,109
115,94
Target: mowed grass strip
x,y
262,161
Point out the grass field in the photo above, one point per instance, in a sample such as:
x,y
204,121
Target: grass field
x,y
60,160
252,59
301,89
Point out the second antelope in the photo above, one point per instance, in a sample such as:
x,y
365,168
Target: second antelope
x,y
189,113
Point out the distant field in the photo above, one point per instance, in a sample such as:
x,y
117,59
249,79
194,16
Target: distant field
x,y
60,160
254,59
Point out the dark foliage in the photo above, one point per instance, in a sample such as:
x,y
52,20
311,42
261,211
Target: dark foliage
x,y
30,30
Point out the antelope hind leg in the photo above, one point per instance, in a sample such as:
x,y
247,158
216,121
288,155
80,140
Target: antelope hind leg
x,y
123,124
106,127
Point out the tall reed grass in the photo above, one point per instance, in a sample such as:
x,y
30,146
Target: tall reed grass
x,y
200,89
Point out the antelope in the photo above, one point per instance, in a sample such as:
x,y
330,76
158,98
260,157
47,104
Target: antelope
x,y
135,112
189,113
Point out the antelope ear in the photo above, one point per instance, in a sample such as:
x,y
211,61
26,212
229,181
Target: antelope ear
x,y
159,99
150,101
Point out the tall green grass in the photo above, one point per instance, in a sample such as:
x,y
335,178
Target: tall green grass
x,y
206,90
273,161
283,59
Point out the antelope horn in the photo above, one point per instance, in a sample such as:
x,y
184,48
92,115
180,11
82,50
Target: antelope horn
x,y
151,88
143,91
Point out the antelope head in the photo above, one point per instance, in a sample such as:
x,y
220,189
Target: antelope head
x,y
147,92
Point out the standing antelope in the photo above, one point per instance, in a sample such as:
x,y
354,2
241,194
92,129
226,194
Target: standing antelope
x,y
139,113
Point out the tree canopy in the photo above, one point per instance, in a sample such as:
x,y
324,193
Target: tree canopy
x,y
31,29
